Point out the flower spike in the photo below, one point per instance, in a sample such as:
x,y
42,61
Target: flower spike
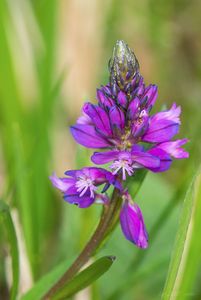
x,y
127,137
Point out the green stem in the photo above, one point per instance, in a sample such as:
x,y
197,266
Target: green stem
x,y
107,220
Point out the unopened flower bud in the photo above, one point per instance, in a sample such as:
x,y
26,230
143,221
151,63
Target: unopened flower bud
x,y
123,65
132,223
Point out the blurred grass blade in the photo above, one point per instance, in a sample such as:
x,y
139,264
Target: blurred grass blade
x,y
28,33
23,195
85,278
186,259
6,219
45,283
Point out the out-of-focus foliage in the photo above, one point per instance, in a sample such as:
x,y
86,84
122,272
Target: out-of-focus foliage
x,y
85,278
7,222
185,263
53,54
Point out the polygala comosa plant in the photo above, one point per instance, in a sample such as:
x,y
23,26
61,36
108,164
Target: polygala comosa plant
x,y
127,137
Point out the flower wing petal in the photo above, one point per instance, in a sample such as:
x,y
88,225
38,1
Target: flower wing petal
x,y
174,148
99,116
87,136
63,184
101,158
165,160
145,159
81,202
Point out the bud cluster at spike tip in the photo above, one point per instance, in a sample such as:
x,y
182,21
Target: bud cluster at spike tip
x,y
126,136
123,65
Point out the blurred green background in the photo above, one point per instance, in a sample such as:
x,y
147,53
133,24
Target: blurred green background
x,y
53,56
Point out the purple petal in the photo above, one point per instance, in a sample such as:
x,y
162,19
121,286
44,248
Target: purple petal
x,y
117,117
165,160
160,131
133,108
81,202
163,125
132,225
174,148
103,99
63,184
137,81
99,117
72,173
171,115
114,181
98,175
72,191
122,99
87,136
140,125
106,89
101,158
139,91
150,96
145,159
84,119
137,148
73,196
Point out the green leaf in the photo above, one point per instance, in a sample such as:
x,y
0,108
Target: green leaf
x,y
6,219
186,259
85,278
46,282
135,182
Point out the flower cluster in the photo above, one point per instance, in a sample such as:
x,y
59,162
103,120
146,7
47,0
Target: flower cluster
x,y
128,138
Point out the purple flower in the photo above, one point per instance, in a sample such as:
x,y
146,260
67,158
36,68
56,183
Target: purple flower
x,y
132,224
121,120
127,161
80,187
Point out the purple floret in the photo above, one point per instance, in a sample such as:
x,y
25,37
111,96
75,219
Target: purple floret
x,y
120,122
132,224
80,187
127,162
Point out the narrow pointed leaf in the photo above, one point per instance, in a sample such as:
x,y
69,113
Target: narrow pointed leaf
x,y
85,278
